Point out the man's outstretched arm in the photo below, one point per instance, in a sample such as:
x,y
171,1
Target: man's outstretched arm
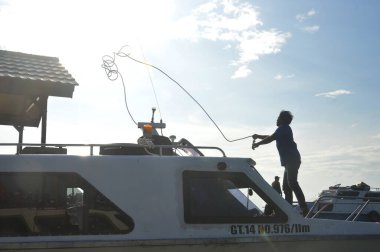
x,y
255,136
266,140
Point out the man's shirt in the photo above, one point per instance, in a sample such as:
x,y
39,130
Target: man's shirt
x,y
286,146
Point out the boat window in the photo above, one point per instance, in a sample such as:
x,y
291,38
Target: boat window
x,y
226,197
56,204
325,206
374,196
348,193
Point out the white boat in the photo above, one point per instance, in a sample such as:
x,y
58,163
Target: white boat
x,y
350,203
149,198
158,195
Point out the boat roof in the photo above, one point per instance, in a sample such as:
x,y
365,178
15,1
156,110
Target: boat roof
x,y
26,80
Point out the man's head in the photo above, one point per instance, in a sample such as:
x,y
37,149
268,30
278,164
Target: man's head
x,y
284,118
276,178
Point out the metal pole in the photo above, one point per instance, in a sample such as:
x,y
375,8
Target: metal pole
x,y
43,119
20,130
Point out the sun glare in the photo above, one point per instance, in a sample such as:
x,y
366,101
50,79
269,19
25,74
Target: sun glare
x,y
69,26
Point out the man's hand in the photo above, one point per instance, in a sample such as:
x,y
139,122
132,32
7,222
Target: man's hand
x,y
254,145
255,136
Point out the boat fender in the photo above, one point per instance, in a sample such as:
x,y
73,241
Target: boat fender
x,y
250,191
221,166
374,216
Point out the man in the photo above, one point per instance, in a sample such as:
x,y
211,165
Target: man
x,y
268,210
289,156
276,185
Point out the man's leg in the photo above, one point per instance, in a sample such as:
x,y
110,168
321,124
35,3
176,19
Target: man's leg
x,y
292,172
287,190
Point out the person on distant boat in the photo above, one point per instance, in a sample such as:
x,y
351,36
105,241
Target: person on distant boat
x,y
276,185
289,156
269,210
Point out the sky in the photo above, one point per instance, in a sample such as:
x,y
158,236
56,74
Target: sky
x,y
243,61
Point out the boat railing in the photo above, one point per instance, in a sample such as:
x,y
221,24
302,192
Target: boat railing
x,y
158,149
361,203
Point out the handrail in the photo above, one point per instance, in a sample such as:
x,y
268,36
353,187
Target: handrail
x,y
91,146
361,210
201,147
316,214
358,210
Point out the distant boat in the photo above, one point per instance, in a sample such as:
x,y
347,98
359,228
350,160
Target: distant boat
x,y
350,203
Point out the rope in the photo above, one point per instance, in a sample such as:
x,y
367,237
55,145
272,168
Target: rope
x,y
110,72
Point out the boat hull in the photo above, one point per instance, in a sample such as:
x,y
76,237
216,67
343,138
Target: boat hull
x,y
263,244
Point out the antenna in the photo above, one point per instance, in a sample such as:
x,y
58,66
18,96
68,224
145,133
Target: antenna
x,y
151,126
153,110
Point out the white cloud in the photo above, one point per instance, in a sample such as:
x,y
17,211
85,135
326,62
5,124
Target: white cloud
x,y
302,17
310,29
237,23
227,47
207,7
354,125
123,21
3,2
334,94
255,44
242,72
311,13
282,77
345,156
377,136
